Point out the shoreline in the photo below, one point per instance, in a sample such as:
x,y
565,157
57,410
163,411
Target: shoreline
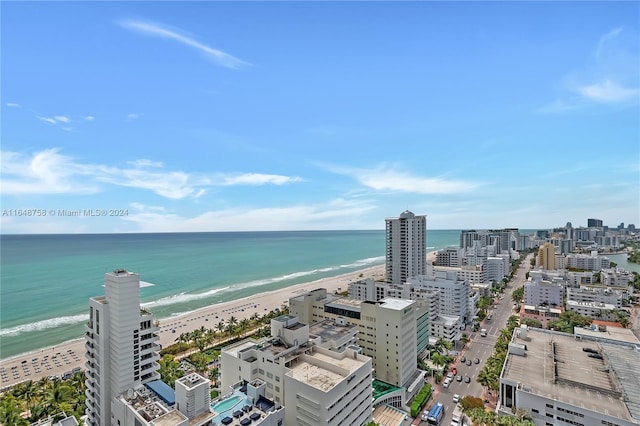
x,y
59,359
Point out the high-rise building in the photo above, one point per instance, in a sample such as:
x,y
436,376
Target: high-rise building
x,y
406,240
547,256
122,352
594,223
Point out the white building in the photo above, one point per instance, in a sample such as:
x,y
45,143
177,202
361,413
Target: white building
x,y
311,381
601,311
538,291
595,295
473,274
497,267
450,257
554,381
406,243
156,404
591,262
453,293
122,352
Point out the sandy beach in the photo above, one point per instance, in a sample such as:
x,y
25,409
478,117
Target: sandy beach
x,y
59,359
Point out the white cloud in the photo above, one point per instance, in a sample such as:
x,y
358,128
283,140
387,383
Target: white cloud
x,y
89,118
614,33
47,120
335,214
608,92
62,119
133,116
158,30
49,172
385,178
143,162
45,172
13,105
259,179
559,105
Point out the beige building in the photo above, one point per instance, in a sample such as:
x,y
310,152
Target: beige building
x,y
406,247
547,256
387,329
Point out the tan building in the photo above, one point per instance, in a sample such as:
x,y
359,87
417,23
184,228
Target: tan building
x,y
547,256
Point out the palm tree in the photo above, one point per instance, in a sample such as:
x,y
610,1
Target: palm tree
x,y
10,411
244,325
169,370
233,321
220,326
57,394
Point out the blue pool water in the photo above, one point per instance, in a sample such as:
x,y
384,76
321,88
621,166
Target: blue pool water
x,y
227,405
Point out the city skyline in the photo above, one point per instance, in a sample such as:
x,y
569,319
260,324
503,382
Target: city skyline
x,y
216,116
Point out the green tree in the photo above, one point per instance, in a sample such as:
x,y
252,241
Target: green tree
x,y
518,295
10,411
169,370
469,402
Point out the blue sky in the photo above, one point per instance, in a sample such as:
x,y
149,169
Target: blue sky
x,y
221,116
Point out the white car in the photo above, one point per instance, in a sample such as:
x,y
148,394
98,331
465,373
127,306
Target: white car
x,y
456,398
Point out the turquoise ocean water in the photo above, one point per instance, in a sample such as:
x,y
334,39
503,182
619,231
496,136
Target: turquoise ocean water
x,y
46,280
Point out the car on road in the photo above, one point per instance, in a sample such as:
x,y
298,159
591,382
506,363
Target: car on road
x,y
456,398
476,361
468,362
463,359
450,375
467,379
458,378
447,382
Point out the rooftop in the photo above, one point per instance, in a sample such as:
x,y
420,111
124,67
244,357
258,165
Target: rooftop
x,y
310,369
567,374
381,388
386,415
396,304
172,418
611,332
345,302
328,330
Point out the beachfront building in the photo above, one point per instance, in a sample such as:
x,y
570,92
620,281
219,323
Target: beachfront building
x,y
156,404
505,240
550,377
387,329
473,274
450,257
121,348
453,292
317,385
406,244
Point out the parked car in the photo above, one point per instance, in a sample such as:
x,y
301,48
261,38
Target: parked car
x,y
467,379
463,359
449,375
468,362
456,398
458,378
476,361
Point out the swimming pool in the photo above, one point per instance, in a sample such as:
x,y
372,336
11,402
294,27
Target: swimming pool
x,y
227,404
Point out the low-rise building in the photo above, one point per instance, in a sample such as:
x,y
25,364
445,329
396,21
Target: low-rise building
x,y
555,381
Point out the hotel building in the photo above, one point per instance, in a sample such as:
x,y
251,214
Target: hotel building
x,y
406,243
120,342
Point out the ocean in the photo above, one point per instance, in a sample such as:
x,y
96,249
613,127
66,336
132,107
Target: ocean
x,y
46,280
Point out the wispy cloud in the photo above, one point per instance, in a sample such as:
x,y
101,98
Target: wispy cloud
x,y
610,78
89,118
13,105
47,120
557,106
55,120
388,178
133,116
158,30
50,172
611,35
608,92
62,119
259,179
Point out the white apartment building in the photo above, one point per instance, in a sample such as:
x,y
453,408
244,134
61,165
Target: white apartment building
x,y
316,385
615,277
473,274
497,267
538,291
450,257
549,376
453,293
595,295
406,243
595,310
591,262
121,348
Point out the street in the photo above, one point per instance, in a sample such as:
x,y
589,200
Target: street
x,y
478,347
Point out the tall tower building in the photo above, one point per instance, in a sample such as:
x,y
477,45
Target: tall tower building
x,y
547,256
406,239
120,342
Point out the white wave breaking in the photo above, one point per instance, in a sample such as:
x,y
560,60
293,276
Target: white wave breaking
x,y
44,324
186,297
